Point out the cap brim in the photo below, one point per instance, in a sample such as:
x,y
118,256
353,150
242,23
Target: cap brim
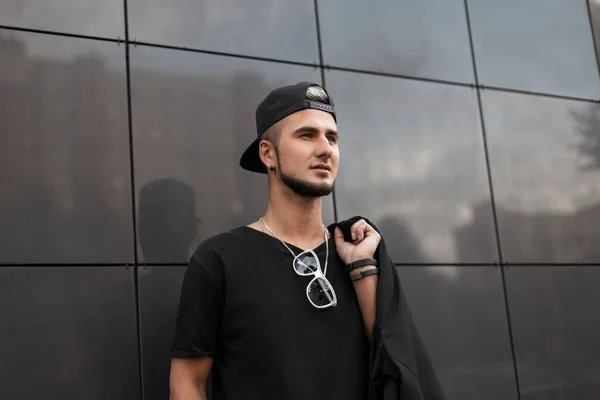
x,y
251,161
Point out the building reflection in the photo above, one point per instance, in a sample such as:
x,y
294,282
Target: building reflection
x,y
63,151
532,237
66,148
66,194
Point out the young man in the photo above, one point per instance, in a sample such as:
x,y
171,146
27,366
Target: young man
x,y
284,308
270,320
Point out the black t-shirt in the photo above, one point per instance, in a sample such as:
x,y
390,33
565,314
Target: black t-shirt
x,y
243,304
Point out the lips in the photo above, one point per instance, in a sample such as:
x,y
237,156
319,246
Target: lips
x,y
324,167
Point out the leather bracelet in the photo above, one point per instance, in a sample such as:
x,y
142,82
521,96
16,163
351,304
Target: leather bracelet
x,y
368,272
361,263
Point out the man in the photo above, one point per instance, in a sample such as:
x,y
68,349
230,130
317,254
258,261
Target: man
x,y
284,308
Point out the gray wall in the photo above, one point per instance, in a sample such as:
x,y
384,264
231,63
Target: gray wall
x,y
470,133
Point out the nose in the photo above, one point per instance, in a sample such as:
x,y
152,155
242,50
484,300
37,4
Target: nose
x,y
324,148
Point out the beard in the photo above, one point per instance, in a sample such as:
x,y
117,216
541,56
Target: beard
x,y
303,187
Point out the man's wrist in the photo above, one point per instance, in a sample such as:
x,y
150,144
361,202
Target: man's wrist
x,y
365,268
361,262
357,273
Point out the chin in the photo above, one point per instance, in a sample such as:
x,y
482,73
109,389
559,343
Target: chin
x,y
323,186
316,188
309,186
322,182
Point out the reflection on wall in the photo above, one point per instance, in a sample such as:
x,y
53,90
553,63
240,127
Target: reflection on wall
x,y
417,155
401,241
459,312
207,118
517,46
68,333
66,197
548,234
553,322
167,220
548,237
64,186
589,137
556,328
201,130
159,291
67,158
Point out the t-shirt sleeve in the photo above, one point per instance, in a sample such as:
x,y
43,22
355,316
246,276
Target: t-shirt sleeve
x,y
200,308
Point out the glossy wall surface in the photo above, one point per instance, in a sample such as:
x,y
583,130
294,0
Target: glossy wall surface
x,y
469,133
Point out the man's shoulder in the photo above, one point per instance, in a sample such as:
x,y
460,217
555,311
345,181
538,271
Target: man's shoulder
x,y
212,257
221,243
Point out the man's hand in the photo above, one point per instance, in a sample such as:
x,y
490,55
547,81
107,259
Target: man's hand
x,y
365,240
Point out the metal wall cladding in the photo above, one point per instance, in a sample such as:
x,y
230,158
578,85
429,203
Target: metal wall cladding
x,y
469,132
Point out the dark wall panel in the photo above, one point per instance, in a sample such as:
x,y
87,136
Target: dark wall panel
x,y
545,164
265,28
84,17
412,160
535,45
421,38
556,329
65,195
594,10
68,333
159,290
460,314
188,181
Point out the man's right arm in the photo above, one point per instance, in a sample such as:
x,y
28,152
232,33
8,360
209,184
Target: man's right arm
x,y
188,378
196,327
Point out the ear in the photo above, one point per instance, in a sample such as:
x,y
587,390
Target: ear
x,y
266,153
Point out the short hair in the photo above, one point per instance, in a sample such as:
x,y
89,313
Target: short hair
x,y
273,134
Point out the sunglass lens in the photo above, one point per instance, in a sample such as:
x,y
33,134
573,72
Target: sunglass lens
x,y
321,293
305,264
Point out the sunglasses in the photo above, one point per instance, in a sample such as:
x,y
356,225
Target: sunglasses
x,y
319,291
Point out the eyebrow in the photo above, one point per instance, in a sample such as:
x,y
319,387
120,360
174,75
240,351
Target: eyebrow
x,y
310,129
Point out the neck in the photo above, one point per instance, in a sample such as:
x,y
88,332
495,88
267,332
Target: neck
x,y
295,218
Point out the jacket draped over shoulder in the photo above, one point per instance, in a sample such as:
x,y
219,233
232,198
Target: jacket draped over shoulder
x,y
400,365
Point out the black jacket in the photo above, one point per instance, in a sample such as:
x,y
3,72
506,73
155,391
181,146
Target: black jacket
x,y
400,364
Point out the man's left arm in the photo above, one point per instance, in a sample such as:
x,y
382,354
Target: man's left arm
x,y
365,240
366,291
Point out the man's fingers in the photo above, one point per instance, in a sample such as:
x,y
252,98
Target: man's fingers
x,y
353,229
338,235
358,230
370,231
361,229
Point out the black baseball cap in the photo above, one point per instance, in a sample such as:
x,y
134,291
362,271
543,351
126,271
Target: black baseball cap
x,y
278,104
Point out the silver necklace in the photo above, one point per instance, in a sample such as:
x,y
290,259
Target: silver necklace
x,y
263,225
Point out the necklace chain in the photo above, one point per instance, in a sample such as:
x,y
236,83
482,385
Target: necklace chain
x,y
263,225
